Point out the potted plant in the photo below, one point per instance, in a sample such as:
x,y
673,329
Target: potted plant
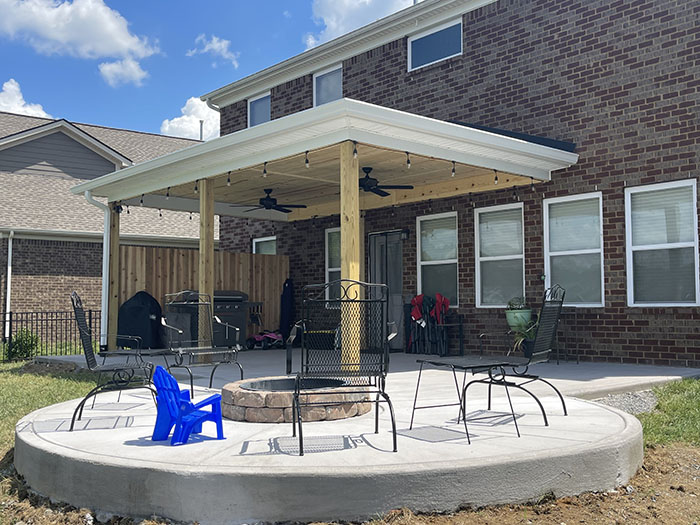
x,y
518,314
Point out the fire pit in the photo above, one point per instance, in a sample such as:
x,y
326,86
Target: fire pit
x,y
269,400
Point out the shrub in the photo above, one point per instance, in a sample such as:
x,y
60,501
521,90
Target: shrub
x,y
23,345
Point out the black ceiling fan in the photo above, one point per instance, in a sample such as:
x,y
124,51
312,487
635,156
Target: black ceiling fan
x,y
372,185
270,203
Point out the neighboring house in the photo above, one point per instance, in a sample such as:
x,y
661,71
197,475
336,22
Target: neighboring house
x,y
56,243
500,91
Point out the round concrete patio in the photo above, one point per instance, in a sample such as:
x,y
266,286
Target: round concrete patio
x,y
110,464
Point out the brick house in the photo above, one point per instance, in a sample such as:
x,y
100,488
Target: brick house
x,y
56,237
616,226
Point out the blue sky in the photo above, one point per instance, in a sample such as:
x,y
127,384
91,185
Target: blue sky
x,y
135,64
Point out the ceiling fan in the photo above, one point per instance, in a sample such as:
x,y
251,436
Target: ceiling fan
x,y
270,203
370,184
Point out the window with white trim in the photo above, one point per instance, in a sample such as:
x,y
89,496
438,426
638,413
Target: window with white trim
x,y
437,255
439,43
333,261
573,247
265,245
259,109
328,85
500,259
661,224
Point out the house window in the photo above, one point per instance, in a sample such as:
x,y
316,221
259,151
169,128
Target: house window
x,y
333,260
500,260
437,255
573,247
438,44
662,244
265,245
259,110
328,85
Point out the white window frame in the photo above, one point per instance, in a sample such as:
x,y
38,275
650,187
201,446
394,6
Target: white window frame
x,y
334,269
478,258
420,264
629,249
264,239
325,72
430,32
548,253
258,97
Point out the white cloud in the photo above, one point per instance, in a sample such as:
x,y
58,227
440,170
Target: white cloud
x,y
342,16
12,101
187,125
85,29
127,71
216,46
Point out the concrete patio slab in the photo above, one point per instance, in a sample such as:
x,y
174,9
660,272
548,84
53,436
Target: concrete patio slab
x,y
348,473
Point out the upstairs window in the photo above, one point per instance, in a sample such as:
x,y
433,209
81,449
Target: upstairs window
x,y
432,46
662,244
328,85
265,245
259,110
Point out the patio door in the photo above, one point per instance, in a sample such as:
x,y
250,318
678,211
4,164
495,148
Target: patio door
x,y
386,267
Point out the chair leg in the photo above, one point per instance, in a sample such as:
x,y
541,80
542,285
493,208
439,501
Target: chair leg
x,y
376,415
393,420
211,376
415,397
301,435
515,420
561,398
240,367
463,405
533,396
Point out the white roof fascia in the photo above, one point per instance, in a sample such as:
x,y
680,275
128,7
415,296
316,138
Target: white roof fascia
x,y
73,132
125,238
326,125
408,21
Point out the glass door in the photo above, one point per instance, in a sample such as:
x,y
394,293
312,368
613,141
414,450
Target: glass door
x,y
386,267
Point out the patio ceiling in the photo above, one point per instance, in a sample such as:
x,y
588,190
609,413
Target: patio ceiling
x,y
280,147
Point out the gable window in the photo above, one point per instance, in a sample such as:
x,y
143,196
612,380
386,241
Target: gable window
x,y
333,260
432,46
500,260
661,226
437,255
259,109
265,245
573,247
328,85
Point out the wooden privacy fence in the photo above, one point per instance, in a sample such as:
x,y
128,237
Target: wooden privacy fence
x,y
166,270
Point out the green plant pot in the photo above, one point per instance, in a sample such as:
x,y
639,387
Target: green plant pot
x,y
518,319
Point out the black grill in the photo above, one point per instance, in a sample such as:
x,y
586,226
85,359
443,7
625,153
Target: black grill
x,y
231,306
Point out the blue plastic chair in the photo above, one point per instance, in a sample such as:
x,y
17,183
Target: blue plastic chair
x,y
176,410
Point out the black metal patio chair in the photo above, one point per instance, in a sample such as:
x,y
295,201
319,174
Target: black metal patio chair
x,y
113,376
507,371
344,337
189,329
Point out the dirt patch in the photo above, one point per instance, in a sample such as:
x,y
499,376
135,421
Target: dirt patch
x,y
665,490
58,367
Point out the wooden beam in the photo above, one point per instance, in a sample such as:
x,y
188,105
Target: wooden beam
x,y
114,272
206,237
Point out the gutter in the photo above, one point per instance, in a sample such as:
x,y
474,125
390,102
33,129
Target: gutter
x,y
8,287
105,266
213,106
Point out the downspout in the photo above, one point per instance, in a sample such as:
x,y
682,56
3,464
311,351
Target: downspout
x,y
8,287
105,266
213,106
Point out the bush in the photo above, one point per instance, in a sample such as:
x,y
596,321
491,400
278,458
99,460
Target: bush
x,y
23,345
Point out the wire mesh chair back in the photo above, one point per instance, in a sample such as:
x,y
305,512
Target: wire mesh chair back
x,y
190,313
84,330
547,324
345,331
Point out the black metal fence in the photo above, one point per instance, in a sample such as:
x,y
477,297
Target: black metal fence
x,y
30,334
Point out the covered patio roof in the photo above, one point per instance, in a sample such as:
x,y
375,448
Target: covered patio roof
x,y
273,155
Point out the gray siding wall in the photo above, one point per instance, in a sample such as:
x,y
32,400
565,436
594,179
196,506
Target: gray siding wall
x,y
57,155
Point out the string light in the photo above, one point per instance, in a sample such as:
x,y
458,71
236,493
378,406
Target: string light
x,y
196,186
190,215
408,161
471,200
127,209
453,168
167,193
306,159
532,184
141,201
160,212
228,179
495,177
515,195
354,150
265,170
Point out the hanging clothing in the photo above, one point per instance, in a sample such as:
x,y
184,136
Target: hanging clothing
x,y
287,309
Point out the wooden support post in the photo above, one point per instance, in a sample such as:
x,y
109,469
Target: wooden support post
x,y
206,255
350,253
114,271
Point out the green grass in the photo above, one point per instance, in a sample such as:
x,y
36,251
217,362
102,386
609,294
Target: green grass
x,y
21,393
677,415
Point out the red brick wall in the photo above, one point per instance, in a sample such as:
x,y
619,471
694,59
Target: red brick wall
x,y
616,78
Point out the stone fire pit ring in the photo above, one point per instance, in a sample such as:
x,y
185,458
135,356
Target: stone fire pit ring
x,y
269,400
